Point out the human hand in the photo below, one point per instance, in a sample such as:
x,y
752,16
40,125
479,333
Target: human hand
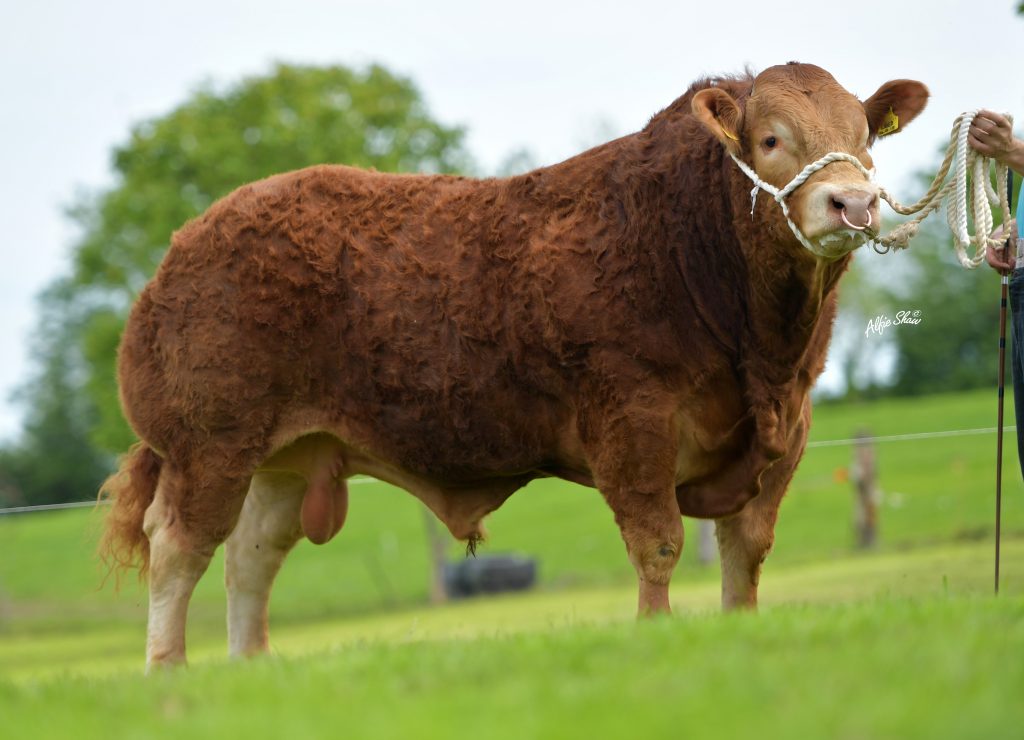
x,y
991,134
1003,259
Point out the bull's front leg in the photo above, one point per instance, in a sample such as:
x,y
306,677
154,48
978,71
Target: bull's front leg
x,y
634,468
745,538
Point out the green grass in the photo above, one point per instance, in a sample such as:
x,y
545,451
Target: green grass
x,y
905,642
944,663
935,490
961,570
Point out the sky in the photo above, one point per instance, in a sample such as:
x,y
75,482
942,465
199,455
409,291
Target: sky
x,y
552,78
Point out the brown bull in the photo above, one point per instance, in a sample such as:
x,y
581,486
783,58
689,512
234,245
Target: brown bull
x,y
620,320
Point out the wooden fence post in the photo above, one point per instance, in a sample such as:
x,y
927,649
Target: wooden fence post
x,y
707,548
864,476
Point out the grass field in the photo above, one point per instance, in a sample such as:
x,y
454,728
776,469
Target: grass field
x,y
904,642
935,491
883,646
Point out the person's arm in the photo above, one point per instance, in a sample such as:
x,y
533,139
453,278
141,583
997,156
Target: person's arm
x,y
992,135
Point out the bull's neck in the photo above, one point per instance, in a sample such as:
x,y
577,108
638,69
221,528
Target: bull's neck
x,y
784,289
786,311
790,286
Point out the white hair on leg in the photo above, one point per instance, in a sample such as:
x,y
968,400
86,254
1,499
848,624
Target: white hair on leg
x,y
267,529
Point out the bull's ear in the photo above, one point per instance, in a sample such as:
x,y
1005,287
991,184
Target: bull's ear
x,y
716,109
896,104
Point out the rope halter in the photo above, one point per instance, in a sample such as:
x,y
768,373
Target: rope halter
x,y
780,195
959,208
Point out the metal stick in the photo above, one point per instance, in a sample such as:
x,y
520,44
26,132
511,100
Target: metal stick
x,y
999,422
1004,286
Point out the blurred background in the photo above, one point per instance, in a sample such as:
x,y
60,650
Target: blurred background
x,y
123,120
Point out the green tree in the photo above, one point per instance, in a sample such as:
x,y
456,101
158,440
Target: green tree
x,y
862,297
955,345
170,170
54,457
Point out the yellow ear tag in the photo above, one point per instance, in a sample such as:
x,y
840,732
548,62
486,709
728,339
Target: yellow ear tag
x,y
731,135
890,123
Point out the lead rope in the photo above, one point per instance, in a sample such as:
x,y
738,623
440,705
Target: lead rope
x,y
960,210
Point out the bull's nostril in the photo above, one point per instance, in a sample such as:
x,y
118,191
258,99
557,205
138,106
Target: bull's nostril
x,y
837,205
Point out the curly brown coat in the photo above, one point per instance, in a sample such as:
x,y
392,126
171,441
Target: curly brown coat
x,y
618,319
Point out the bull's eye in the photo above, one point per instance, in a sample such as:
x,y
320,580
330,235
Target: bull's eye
x,y
770,142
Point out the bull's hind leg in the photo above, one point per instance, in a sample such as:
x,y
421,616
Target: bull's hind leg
x,y
746,538
189,517
267,530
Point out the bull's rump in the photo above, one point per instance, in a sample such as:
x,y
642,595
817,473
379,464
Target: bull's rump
x,y
382,302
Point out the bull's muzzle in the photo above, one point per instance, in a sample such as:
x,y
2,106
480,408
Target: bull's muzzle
x,y
852,208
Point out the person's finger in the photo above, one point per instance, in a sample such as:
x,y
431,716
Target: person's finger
x,y
980,145
982,125
1001,266
997,119
1000,256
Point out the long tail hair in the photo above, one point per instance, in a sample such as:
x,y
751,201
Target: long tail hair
x,y
132,488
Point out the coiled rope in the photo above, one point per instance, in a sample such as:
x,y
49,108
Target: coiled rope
x,y
960,210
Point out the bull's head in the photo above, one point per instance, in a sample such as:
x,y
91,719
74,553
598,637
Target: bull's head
x,y
796,114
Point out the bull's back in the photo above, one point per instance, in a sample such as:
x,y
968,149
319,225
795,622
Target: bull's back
x,y
379,300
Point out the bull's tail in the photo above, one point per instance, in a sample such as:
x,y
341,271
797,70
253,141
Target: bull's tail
x,y
132,488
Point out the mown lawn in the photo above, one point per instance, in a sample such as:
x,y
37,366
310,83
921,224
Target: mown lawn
x,y
958,571
935,490
942,664
905,642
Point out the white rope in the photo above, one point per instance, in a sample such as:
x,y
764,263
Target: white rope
x,y
960,210
781,195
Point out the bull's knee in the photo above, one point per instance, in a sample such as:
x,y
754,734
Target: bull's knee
x,y
654,555
654,545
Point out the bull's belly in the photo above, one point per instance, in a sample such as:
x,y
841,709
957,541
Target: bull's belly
x,y
424,441
458,492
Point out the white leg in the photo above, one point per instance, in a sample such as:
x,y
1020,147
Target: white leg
x,y
174,571
267,529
